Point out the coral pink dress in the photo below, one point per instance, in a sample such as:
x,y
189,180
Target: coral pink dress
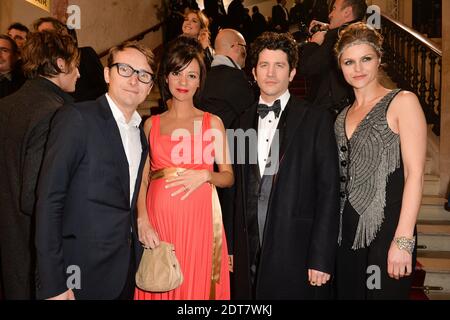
x,y
186,224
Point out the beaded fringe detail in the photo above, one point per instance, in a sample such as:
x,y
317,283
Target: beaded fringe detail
x,y
373,155
371,219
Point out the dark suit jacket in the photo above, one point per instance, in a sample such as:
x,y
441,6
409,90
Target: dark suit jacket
x,y
302,222
227,93
91,84
7,86
24,125
84,217
318,64
279,18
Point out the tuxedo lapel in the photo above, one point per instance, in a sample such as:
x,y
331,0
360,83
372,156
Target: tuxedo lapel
x,y
249,121
113,141
294,117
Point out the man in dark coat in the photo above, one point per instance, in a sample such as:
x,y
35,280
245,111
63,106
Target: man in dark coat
x,y
92,83
215,10
280,17
259,23
287,198
327,86
236,15
86,210
227,92
24,125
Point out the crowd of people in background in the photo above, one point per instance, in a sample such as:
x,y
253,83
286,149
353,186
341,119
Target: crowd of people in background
x,y
336,185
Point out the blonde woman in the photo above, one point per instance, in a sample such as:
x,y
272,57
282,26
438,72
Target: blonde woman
x,y
382,145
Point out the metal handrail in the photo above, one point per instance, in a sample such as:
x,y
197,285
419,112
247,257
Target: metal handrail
x,y
137,37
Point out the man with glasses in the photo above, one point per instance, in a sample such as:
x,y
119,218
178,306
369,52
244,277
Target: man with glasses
x,y
86,213
11,77
227,92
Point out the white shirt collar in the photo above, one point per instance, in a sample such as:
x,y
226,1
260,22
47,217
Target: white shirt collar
x,y
119,117
284,99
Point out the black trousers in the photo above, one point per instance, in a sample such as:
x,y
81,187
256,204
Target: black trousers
x,y
130,284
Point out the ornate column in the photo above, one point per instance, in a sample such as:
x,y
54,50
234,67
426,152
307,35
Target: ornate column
x,y
393,9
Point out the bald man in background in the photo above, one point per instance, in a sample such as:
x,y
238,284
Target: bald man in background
x,y
227,92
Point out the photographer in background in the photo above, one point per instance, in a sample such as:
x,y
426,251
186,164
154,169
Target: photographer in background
x,y
327,86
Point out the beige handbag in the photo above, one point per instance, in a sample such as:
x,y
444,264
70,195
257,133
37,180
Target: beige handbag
x,y
159,270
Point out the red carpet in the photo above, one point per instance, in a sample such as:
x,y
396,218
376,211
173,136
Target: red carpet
x,y
298,87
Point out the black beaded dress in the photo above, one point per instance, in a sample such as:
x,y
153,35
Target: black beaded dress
x,y
372,182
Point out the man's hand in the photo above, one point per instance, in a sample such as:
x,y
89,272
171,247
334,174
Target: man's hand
x,y
315,22
318,37
68,295
317,278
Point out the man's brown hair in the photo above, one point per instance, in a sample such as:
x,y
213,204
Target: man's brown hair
x,y
42,50
132,45
58,25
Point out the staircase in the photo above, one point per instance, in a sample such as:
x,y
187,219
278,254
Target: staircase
x,y
433,228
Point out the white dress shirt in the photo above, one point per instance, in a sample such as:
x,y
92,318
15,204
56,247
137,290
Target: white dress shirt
x,y
266,131
131,141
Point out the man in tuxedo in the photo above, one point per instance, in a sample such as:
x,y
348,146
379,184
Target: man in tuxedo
x,y
287,202
328,88
86,238
280,17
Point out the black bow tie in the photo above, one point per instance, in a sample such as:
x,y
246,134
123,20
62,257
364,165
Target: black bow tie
x,y
263,110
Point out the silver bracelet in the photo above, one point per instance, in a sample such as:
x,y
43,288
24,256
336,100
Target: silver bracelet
x,y
406,244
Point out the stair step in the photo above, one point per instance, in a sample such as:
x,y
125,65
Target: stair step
x,y
435,261
429,166
434,235
438,295
433,242
437,267
434,211
433,200
432,185
438,280
434,227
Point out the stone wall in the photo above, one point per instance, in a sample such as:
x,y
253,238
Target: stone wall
x,y
104,23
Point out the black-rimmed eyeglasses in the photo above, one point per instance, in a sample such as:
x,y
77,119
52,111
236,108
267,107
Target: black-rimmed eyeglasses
x,y
127,71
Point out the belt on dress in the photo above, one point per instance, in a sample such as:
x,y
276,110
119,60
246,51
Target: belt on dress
x,y
217,225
